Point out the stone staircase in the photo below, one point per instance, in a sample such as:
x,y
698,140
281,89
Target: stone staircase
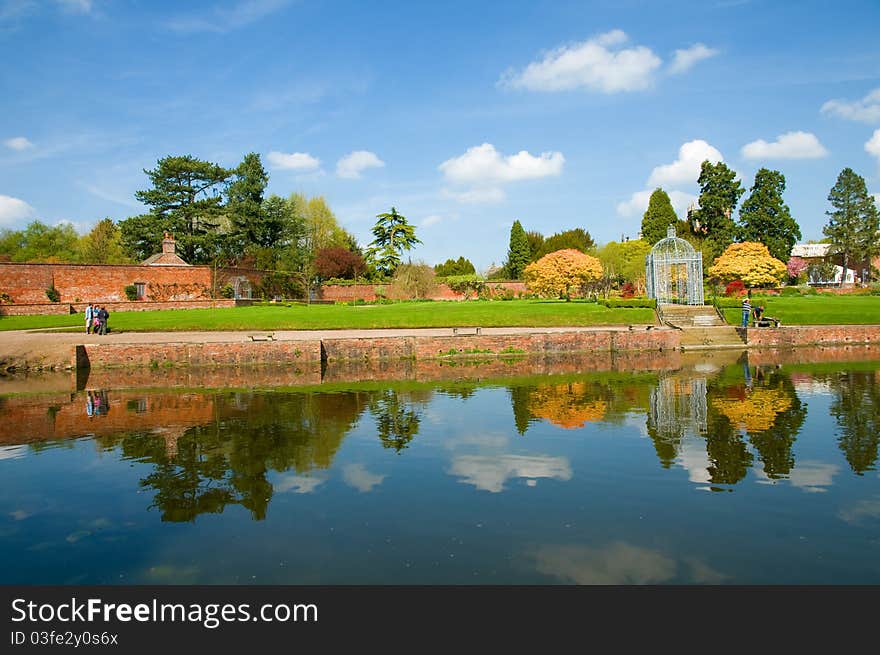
x,y
701,327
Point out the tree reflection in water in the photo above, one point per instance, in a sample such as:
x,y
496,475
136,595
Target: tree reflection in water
x,y
856,408
227,462
397,416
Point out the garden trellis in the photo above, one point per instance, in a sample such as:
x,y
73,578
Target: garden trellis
x,y
674,271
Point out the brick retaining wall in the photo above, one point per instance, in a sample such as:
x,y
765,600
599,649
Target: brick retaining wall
x,y
807,335
110,355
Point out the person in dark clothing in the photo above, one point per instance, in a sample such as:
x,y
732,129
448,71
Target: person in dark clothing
x,y
103,315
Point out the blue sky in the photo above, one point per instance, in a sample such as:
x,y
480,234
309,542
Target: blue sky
x,y
463,115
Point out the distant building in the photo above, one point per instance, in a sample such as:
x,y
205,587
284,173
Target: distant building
x,y
820,253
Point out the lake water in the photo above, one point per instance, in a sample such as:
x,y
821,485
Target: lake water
x,y
720,468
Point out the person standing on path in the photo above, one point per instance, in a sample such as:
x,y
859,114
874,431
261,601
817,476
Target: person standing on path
x,y
90,315
103,315
747,309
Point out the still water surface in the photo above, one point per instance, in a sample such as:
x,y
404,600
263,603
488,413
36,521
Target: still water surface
x,y
706,472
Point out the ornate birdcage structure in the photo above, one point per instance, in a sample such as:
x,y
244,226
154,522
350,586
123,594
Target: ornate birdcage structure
x,y
674,271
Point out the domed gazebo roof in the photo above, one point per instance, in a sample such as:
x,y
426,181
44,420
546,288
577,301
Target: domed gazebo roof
x,y
672,248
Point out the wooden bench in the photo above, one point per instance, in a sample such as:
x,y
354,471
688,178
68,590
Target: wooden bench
x,y
766,321
457,331
262,337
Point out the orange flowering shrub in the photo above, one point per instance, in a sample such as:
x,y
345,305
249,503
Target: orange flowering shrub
x,y
757,411
750,262
566,405
559,273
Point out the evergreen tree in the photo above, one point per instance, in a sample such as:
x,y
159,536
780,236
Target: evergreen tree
x,y
518,254
576,239
393,235
658,217
719,193
536,242
186,200
245,202
853,223
765,218
460,266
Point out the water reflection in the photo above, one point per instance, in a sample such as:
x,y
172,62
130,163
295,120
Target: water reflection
x,y
856,408
206,451
576,471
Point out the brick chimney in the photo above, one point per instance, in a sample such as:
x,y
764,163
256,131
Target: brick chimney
x,y
168,244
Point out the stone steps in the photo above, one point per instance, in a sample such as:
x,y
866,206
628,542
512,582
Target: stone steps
x,y
691,316
711,337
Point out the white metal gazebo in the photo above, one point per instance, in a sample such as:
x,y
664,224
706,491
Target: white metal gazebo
x,y
674,271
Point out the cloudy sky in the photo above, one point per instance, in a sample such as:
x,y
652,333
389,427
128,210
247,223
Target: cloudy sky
x,y
463,115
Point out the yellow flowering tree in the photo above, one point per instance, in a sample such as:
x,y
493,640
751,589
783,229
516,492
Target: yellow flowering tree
x,y
750,262
559,273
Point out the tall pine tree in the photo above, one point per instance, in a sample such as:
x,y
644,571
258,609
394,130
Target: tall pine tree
x,y
719,193
518,254
658,217
244,205
765,218
853,223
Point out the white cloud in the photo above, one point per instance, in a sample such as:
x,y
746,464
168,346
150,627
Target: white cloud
x,y
484,165
490,472
295,161
360,478
791,145
685,59
485,170
13,209
225,19
354,163
298,484
872,147
685,169
479,196
638,203
600,64
866,110
615,564
18,143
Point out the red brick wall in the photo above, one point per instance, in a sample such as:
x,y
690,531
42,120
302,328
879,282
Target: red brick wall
x,y
389,348
197,354
804,335
27,283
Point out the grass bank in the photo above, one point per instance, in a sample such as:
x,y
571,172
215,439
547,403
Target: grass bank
x,y
820,309
514,313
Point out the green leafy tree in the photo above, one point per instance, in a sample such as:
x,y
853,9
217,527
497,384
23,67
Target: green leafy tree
x,y
450,267
720,191
245,205
658,217
518,254
103,245
626,260
576,239
853,222
393,235
39,242
765,218
186,197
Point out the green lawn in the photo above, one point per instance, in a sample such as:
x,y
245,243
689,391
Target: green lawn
x,y
522,313
821,309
